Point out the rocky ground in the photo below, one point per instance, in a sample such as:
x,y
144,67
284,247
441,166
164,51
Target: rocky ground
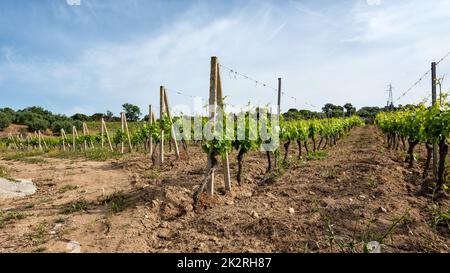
x,y
356,192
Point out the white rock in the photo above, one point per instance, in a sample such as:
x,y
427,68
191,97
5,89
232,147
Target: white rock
x,y
291,210
374,247
73,247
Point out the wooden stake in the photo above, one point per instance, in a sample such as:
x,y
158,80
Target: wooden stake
x,y
161,115
433,101
123,131
88,133
166,104
128,132
107,135
84,134
103,133
212,116
225,161
150,122
74,136
63,139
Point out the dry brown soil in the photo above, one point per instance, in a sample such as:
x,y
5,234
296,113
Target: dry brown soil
x,y
353,195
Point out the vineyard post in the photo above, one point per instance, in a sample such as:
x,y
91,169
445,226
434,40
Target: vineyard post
x,y
150,122
90,139
128,132
212,115
433,101
123,132
161,115
103,133
107,135
73,137
172,128
84,135
63,141
278,151
225,161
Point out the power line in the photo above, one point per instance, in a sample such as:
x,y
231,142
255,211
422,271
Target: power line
x,y
421,78
236,73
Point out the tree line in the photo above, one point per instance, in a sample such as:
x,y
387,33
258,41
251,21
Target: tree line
x,y
37,118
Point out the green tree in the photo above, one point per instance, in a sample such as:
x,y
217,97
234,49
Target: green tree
x,y
349,109
80,117
132,112
5,121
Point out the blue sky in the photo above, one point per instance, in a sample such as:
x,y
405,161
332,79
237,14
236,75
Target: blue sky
x,y
97,55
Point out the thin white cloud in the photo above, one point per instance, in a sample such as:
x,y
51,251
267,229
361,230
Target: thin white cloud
x,y
383,44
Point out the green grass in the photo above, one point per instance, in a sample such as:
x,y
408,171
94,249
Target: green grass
x,y
10,216
60,220
77,206
439,217
67,188
90,154
38,235
14,215
39,250
33,160
3,172
95,126
319,155
20,155
115,202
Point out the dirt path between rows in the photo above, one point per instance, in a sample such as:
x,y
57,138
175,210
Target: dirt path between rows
x,y
351,196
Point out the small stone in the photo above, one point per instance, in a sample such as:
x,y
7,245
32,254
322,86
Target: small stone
x,y
373,247
254,214
248,194
312,193
362,197
383,210
291,210
73,247
265,205
230,202
350,199
270,195
189,208
146,217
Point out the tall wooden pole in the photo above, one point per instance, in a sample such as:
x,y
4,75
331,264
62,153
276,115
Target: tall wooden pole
x,y
279,117
74,130
161,116
107,135
150,122
103,133
128,132
84,134
433,101
123,132
226,160
212,114
172,129
63,139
